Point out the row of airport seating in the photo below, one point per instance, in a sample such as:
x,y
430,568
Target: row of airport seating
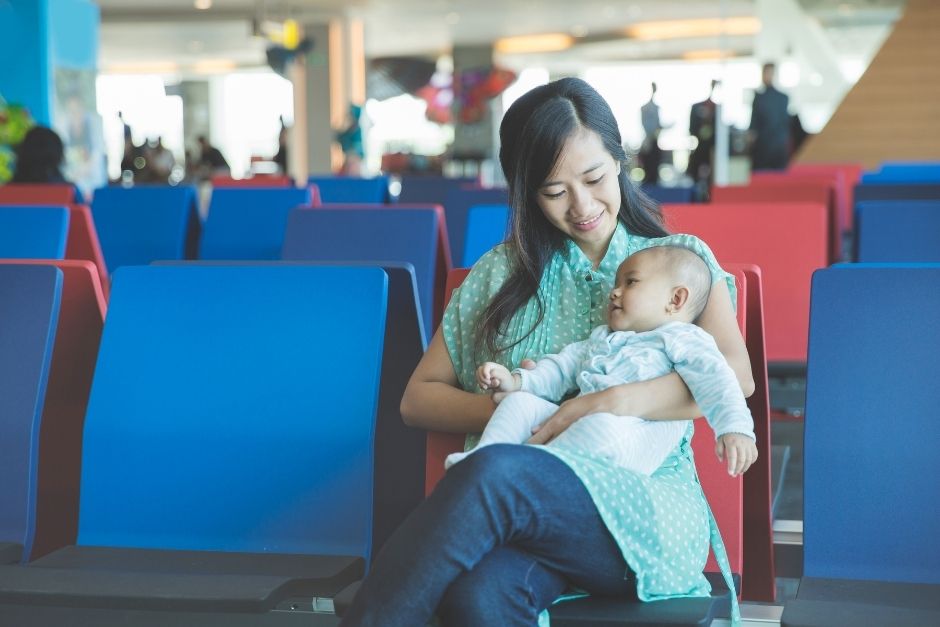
x,y
198,455
751,572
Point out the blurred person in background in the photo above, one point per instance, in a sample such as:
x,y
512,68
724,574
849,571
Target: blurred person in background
x,y
211,161
350,140
39,157
702,128
650,153
281,157
770,125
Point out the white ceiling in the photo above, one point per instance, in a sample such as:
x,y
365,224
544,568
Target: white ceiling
x,y
163,31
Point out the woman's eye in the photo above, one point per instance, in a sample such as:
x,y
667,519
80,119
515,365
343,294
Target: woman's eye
x,y
554,196
596,181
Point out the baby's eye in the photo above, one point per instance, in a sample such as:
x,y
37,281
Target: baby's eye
x,y
632,281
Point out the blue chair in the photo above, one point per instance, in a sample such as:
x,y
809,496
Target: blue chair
x,y
376,235
897,191
141,224
226,467
249,223
33,232
457,209
674,195
486,227
870,481
351,190
898,231
30,298
904,172
430,189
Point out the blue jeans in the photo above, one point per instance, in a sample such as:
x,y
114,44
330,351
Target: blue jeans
x,y
504,533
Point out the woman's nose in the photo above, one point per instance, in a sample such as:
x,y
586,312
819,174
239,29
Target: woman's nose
x,y
580,199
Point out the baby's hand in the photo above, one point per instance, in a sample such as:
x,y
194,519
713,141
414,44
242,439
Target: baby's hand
x,y
493,376
739,449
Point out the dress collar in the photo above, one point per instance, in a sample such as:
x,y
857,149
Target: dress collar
x,y
616,252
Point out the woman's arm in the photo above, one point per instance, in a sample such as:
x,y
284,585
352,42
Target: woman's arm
x,y
666,397
433,401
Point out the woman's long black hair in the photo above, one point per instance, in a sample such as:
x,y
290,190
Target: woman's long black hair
x,y
532,134
39,157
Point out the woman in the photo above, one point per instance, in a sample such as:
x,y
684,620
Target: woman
x,y
510,528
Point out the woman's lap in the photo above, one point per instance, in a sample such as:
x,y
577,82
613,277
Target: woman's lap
x,y
512,496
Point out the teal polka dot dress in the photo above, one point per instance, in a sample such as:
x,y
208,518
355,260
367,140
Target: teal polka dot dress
x,y
662,523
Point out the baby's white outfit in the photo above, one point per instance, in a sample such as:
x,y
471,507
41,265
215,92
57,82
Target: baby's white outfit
x,y
610,358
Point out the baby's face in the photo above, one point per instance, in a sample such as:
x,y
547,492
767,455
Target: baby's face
x,y
640,298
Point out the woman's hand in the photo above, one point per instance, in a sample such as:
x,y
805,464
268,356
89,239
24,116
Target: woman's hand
x,y
570,412
740,451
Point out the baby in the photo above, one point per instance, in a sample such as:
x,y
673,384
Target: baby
x,y
658,293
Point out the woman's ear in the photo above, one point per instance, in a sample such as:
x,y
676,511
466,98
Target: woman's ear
x,y
680,296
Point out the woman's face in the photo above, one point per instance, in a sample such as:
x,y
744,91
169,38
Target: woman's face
x,y
581,196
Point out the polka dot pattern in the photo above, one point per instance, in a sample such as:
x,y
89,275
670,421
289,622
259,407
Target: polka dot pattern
x,y
662,522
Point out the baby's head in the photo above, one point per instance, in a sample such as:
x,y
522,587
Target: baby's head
x,y
658,285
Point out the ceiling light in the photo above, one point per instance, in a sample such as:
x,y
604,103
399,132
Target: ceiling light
x,y
548,42
706,27
707,54
202,5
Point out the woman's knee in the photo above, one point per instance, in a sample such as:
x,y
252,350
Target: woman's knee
x,y
508,587
494,464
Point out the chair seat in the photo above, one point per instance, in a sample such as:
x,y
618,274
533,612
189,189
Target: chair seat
x,y
598,611
606,612
53,616
10,552
174,580
847,602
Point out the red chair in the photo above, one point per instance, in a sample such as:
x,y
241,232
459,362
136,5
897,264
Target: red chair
x,y
765,188
787,240
75,352
258,180
725,495
54,194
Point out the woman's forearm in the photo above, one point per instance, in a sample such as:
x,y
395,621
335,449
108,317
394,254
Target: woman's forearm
x,y
442,407
663,398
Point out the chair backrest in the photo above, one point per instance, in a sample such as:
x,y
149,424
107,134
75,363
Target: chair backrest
x,y
82,242
216,420
793,189
430,189
249,223
457,208
725,495
898,231
486,227
378,235
896,191
345,189
787,240
759,584
258,180
30,297
145,223
669,194
49,194
33,232
78,333
905,172
871,466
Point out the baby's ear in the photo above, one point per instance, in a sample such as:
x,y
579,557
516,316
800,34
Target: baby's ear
x,y
680,296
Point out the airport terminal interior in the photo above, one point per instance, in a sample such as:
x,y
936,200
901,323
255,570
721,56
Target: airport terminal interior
x,y
267,267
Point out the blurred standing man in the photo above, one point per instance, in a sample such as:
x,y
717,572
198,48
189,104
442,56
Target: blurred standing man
x,y
770,125
702,128
650,153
